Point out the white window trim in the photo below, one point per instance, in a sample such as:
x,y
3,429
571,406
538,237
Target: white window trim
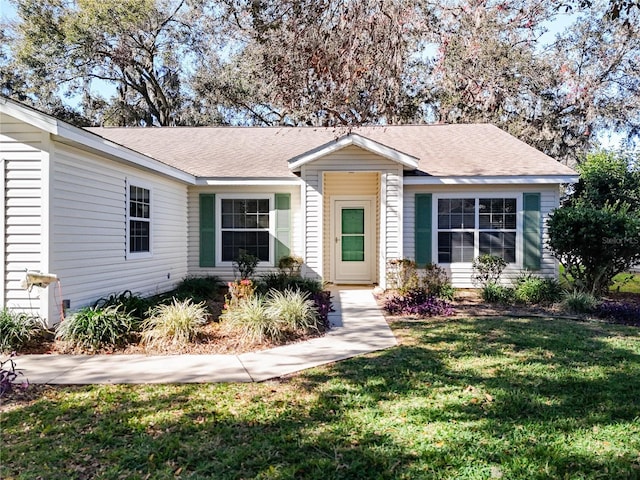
x,y
141,184
476,231
272,218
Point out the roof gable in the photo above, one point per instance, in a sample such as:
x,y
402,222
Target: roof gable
x,y
409,162
83,138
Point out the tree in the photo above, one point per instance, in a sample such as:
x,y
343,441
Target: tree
x,y
328,62
596,233
334,62
492,67
140,47
608,179
616,10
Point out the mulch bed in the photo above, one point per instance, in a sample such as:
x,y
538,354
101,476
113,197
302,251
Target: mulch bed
x,y
214,340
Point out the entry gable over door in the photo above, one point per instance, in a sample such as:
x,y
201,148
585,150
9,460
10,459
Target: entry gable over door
x,y
408,162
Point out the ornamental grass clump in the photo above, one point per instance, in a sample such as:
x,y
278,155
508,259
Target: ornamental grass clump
x,y
251,319
277,316
18,328
176,323
579,302
94,328
293,309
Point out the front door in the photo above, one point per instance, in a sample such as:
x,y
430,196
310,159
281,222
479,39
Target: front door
x,y
354,241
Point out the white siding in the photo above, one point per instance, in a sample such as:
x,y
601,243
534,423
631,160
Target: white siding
x,y
22,159
461,274
389,210
225,272
88,239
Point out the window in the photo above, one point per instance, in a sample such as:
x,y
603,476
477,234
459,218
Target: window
x,y
498,227
456,224
245,224
468,227
139,223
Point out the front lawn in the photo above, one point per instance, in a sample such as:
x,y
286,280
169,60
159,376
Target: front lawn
x,y
626,283
511,398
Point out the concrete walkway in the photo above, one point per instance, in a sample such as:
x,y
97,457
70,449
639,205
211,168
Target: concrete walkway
x,y
357,327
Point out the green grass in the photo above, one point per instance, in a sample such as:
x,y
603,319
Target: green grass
x,y
623,282
466,399
626,283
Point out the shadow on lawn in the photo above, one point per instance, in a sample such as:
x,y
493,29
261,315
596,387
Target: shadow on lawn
x,y
523,390
465,399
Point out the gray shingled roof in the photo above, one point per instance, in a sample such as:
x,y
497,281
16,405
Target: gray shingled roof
x,y
243,152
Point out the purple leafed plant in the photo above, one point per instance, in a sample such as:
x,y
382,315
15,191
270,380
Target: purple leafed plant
x,y
8,376
625,313
323,306
418,303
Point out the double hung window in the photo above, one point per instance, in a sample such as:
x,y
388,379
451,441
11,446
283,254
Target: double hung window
x,y
456,227
468,227
497,227
245,225
139,220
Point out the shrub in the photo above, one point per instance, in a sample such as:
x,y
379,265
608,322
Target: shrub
x,y
626,313
436,282
293,309
18,329
579,302
198,289
239,291
495,293
402,275
282,281
94,328
594,244
176,323
417,302
487,269
246,264
530,289
252,320
128,302
290,265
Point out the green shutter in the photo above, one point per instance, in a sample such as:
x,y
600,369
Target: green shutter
x,y
531,230
207,230
283,225
423,228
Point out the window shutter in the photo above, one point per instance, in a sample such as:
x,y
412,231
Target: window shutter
x,y
283,225
423,228
207,230
531,231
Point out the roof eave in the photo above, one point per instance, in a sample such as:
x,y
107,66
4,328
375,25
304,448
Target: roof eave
x,y
78,137
493,180
244,181
409,162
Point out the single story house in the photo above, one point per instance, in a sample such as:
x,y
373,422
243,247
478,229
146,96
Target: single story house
x,y
114,209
